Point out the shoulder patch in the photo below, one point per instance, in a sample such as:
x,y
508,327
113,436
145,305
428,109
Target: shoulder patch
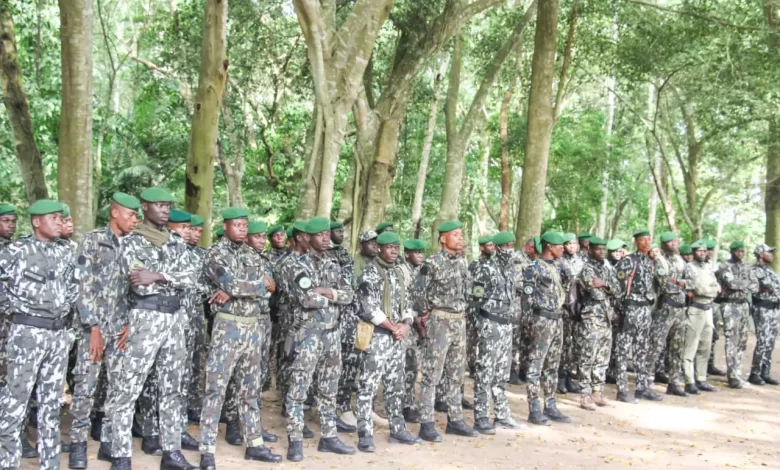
x,y
528,289
304,282
478,291
136,264
621,274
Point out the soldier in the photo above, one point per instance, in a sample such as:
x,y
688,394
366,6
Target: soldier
x,y
442,286
7,231
237,338
197,325
736,280
317,289
599,286
7,224
37,272
668,318
101,281
712,259
686,253
368,251
384,227
614,255
414,256
766,302
492,296
277,237
487,250
159,276
385,302
702,287
615,251
522,259
542,298
572,262
584,242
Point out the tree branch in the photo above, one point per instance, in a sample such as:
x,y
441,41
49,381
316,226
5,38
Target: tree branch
x,y
566,63
700,16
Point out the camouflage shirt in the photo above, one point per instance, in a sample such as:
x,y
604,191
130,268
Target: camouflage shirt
x,y
234,268
333,277
443,284
261,264
576,263
640,270
700,279
283,303
344,259
521,262
768,283
371,288
542,287
275,255
493,286
601,296
308,308
38,278
4,242
566,271
736,280
670,267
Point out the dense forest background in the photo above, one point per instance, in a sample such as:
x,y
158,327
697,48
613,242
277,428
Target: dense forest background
x,y
579,115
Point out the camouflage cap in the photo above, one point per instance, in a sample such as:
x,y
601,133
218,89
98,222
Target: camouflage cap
x,y
274,229
256,226
6,209
179,216
45,206
762,248
366,236
156,195
126,200
414,245
502,238
388,238
485,239
65,210
383,225
197,221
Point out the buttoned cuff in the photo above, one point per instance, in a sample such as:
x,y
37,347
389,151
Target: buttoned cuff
x,y
378,317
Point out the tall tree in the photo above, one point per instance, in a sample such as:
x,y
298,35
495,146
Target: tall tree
x,y
772,198
74,162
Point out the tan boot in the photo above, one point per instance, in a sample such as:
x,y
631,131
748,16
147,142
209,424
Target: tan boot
x,y
586,402
599,399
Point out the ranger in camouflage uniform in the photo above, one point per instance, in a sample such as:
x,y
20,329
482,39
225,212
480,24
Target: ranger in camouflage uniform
x,y
238,337
283,307
7,231
385,302
414,256
520,341
277,238
542,298
159,275
766,305
635,273
101,282
37,276
571,264
487,250
492,296
317,288
598,286
197,325
737,282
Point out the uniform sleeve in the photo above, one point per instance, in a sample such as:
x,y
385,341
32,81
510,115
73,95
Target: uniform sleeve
x,y
344,294
730,280
184,274
302,287
89,284
480,284
236,285
8,261
370,298
529,289
623,269
662,274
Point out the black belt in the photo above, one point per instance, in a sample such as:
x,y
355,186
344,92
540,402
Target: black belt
x,y
672,302
770,304
638,303
159,303
547,314
701,306
496,318
54,324
732,301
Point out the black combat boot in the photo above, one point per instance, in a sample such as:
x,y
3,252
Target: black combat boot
x,y
509,423
334,445
514,379
428,432
571,383
96,426
691,389
705,387
466,405
767,378
535,415
735,383
712,370
483,426
28,450
136,430
64,447
268,436
648,394
104,452
625,397
459,428
755,379
233,433
441,406
174,460
151,445
674,389
78,455
661,378
552,412
366,442
294,450
188,442
341,426
404,437
562,383
121,463
193,417
307,433
207,462
411,415
262,454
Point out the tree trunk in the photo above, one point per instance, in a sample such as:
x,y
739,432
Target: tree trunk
x,y
540,121
651,149
74,162
18,109
772,198
483,212
212,77
503,131
232,166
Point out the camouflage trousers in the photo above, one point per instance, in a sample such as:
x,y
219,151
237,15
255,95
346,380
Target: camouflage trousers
x,y
86,376
313,350
233,396
668,336
199,355
5,326
765,320
156,340
569,350
612,367
37,357
187,373
412,362
634,339
443,361
111,361
521,342
382,362
236,348
147,405
696,351
492,368
715,337
545,355
350,360
735,329
472,340
593,336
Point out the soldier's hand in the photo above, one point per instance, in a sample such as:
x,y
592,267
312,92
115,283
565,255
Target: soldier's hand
x,y
691,294
144,277
596,283
219,297
95,344
325,292
121,338
401,331
270,285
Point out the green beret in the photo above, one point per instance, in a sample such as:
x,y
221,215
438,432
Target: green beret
x,y
126,200
383,225
502,238
388,238
256,226
449,226
414,245
235,213
6,209
299,226
336,225
485,239
668,236
220,232
569,237
553,238
45,206
178,216
615,244
710,244
585,236
685,249
642,233
274,229
698,244
156,195
65,210
317,225
597,241
197,221
289,232
737,246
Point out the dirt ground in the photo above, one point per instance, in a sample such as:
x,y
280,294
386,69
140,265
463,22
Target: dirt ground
x,y
728,429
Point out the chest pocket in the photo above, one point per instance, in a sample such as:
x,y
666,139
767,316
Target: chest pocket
x,y
104,256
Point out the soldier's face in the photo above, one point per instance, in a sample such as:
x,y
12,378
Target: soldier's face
x,y
389,253
301,241
48,227
7,225
738,254
700,254
278,239
643,243
687,258
235,230
529,249
652,254
506,248
570,248
584,245
156,213
182,228
768,256
452,241
195,233
710,254
488,249
556,251
616,255
125,219
369,248
256,241
671,246
337,235
598,252
415,257
320,241
67,227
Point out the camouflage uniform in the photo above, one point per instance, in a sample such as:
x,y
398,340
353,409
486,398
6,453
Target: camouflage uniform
x,y
156,339
542,298
237,340
413,342
39,278
314,343
383,361
736,281
350,357
472,333
284,320
636,317
669,316
521,340
442,284
492,296
5,321
273,256
594,332
766,302
197,334
570,267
